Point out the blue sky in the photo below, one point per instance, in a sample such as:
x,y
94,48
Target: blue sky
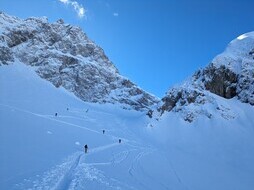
x,y
155,43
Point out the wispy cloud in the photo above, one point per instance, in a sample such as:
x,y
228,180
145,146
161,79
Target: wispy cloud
x,y
115,14
80,10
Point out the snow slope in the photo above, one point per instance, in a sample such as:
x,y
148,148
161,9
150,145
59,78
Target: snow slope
x,y
42,151
200,138
210,153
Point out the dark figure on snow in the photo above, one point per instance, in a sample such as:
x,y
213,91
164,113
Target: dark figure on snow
x,y
103,131
55,114
67,109
119,140
87,110
86,148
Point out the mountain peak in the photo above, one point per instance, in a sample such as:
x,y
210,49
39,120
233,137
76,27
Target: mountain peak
x,y
65,56
238,52
229,75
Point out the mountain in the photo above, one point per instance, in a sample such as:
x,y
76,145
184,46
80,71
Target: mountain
x,y
65,56
44,127
229,75
41,151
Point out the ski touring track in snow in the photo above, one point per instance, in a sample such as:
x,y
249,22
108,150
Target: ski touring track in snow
x,y
65,182
68,177
136,166
177,176
76,163
61,177
49,117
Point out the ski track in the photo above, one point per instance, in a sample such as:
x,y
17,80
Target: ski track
x,y
59,121
69,124
116,159
49,118
120,157
135,164
70,178
81,111
67,178
71,117
177,176
175,173
100,148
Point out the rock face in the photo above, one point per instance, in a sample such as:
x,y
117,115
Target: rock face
x,y
229,75
65,56
221,81
182,97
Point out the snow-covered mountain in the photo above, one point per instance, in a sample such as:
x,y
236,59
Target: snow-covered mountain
x,y
65,56
200,137
229,75
41,151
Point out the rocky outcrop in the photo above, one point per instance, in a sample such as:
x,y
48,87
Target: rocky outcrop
x,y
65,56
6,55
178,97
230,75
221,81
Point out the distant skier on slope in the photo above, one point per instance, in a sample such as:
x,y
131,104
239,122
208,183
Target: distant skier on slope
x,y
120,140
103,131
55,114
86,148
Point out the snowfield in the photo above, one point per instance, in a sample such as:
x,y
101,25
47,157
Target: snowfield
x,y
41,151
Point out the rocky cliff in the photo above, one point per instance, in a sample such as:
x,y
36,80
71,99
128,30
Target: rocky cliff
x,y
65,56
229,75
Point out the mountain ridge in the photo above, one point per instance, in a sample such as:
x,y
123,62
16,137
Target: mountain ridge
x,y
195,140
229,75
65,56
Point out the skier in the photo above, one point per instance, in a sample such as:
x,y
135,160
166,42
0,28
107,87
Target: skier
x,y
103,131
86,148
55,114
119,140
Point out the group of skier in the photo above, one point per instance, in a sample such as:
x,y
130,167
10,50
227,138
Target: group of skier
x,y
103,132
